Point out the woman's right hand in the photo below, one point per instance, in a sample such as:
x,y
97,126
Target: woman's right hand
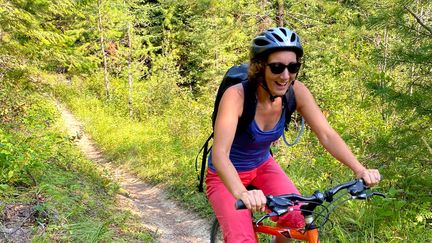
x,y
254,200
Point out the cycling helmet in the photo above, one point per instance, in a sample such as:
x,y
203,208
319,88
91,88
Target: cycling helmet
x,y
274,39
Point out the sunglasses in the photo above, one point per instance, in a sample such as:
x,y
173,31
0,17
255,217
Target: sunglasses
x,y
278,68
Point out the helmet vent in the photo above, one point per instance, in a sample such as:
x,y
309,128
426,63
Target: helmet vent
x,y
277,37
293,37
261,42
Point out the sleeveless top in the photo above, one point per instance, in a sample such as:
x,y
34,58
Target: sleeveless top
x,y
251,147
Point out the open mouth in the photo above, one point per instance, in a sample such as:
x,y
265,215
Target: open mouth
x,y
281,84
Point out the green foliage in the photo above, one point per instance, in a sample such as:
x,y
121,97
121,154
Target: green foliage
x,y
38,163
22,152
72,194
367,64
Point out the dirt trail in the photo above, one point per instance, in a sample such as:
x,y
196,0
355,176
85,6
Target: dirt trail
x,y
158,213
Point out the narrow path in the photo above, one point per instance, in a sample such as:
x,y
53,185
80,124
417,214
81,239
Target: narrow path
x,y
158,213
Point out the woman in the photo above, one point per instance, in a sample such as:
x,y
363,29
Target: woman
x,y
275,61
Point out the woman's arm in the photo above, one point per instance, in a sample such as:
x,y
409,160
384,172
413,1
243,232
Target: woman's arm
x,y
328,137
230,109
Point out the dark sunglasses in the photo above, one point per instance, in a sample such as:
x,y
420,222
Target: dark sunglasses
x,y
278,68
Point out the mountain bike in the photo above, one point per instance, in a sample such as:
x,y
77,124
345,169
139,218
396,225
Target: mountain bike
x,y
280,205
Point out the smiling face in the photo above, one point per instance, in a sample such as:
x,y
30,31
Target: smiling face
x,y
278,84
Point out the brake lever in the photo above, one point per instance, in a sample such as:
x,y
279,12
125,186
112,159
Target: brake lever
x,y
360,196
264,217
377,194
278,205
357,189
278,202
363,195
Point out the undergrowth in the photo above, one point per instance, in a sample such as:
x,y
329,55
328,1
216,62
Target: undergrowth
x,y
72,200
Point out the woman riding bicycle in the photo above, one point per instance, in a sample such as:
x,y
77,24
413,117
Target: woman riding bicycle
x,y
238,160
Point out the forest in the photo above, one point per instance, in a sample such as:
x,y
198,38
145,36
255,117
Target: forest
x,y
142,76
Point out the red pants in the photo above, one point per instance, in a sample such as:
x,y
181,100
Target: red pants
x,y
236,225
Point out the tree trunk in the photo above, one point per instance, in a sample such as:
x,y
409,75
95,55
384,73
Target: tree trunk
x,y
412,70
263,19
102,43
130,79
280,13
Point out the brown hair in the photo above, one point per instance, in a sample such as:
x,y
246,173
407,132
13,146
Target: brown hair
x,y
256,71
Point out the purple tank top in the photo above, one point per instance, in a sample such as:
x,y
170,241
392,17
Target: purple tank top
x,y
251,147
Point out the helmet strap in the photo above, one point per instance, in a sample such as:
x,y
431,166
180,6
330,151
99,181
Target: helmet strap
x,y
273,97
265,87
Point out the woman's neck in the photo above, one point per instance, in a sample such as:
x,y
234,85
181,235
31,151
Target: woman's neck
x,y
264,96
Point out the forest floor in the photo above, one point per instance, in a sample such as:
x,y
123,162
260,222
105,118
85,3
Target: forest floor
x,y
164,217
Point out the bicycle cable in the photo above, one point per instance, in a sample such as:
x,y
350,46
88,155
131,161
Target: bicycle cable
x,y
334,206
321,215
317,216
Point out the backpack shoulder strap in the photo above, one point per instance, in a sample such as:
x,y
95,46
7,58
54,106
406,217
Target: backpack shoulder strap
x,y
249,105
205,151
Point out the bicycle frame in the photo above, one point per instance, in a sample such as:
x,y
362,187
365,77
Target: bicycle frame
x,y
309,235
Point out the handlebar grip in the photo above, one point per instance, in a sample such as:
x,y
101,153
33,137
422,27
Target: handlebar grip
x,y
240,205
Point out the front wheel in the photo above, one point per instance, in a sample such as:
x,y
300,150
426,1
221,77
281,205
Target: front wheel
x,y
215,232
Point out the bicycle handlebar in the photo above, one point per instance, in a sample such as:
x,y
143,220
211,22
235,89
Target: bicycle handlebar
x,y
239,204
356,188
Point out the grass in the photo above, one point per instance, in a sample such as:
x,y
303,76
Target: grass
x,y
74,201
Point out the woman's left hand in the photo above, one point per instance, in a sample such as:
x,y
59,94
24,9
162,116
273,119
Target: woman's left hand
x,y
370,176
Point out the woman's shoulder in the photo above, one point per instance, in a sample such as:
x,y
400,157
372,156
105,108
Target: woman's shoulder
x,y
303,95
300,88
298,84
235,92
232,99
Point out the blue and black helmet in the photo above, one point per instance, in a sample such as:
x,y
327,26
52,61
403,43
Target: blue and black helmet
x,y
275,39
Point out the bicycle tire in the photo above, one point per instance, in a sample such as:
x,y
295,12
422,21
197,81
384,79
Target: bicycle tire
x,y
216,235
215,232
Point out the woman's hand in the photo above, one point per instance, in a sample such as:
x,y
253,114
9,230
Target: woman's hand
x,y
254,200
370,176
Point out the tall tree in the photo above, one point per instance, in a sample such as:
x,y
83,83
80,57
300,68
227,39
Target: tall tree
x,y
129,60
280,15
103,52
263,17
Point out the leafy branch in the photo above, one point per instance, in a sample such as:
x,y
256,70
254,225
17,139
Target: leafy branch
x,y
419,20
